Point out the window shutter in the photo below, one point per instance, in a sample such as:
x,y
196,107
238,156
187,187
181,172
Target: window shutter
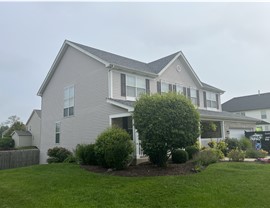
x,y
217,101
204,99
188,92
147,85
159,87
170,87
123,85
174,88
198,98
185,91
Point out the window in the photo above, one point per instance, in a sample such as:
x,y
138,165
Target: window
x,y
165,87
135,86
69,101
211,100
193,96
266,128
57,132
180,89
263,115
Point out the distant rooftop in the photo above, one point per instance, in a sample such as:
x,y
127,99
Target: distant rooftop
x,y
245,103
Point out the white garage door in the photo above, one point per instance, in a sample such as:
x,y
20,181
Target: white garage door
x,y
238,133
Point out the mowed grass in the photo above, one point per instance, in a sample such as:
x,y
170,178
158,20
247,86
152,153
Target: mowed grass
x,y
67,185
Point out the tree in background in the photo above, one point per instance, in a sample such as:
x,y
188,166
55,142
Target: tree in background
x,y
13,123
165,122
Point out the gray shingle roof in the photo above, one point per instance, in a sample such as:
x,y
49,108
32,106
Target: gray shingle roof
x,y
203,113
23,133
153,67
250,102
209,87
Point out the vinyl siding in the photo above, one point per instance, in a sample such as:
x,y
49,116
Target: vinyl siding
x,y
34,124
91,111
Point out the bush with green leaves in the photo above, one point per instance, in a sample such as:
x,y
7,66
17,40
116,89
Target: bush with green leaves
x,y
236,155
245,143
222,145
232,143
206,157
85,154
58,154
7,143
179,156
113,148
252,153
192,150
165,122
212,144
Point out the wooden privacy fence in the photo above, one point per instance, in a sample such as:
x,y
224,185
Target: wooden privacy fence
x,y
18,158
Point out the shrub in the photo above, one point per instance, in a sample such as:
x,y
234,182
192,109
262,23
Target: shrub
x,y
7,143
236,155
113,148
85,154
232,143
245,143
70,159
252,153
57,154
218,153
174,125
179,156
212,144
222,145
191,150
206,157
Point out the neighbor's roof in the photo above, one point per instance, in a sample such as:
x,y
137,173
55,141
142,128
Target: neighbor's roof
x,y
245,103
23,133
203,113
112,60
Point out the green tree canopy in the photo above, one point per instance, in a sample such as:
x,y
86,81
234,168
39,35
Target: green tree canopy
x,y
165,122
17,125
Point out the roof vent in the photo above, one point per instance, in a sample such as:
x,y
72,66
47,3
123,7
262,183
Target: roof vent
x,y
259,92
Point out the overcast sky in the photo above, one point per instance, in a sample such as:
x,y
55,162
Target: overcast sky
x,y
227,44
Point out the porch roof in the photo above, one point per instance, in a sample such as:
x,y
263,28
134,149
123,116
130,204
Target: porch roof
x,y
205,114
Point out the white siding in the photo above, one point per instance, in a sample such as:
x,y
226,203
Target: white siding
x,y
34,127
90,80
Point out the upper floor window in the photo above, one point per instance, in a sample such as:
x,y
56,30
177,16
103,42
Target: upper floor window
x,y
57,132
69,101
179,89
263,114
211,100
135,86
165,87
193,96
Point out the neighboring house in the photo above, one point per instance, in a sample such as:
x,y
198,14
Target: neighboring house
x,y
87,90
255,106
22,138
33,126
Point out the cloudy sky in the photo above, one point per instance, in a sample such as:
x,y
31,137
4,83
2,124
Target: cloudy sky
x,y
227,44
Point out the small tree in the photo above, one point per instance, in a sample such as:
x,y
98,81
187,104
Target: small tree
x,y
165,122
15,126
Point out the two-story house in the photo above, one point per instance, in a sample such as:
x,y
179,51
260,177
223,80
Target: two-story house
x,y
87,90
255,106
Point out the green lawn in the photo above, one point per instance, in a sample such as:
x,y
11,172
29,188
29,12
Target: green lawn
x,y
66,185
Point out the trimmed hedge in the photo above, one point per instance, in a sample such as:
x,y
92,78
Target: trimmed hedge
x,y
179,156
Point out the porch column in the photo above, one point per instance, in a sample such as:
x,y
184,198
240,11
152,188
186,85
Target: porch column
x,y
136,141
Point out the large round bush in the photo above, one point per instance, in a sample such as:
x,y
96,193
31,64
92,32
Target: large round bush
x,y
179,156
58,154
113,148
165,122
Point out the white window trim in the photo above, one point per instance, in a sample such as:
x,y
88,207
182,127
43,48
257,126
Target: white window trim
x,y
164,82
211,108
55,132
136,95
67,87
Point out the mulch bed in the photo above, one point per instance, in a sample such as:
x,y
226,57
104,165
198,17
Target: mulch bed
x,y
145,169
